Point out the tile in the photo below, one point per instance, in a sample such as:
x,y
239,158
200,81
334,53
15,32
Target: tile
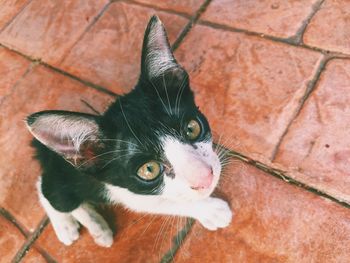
x,y
139,238
11,240
317,143
9,9
274,222
47,31
33,256
12,68
110,53
248,87
330,27
41,89
189,7
276,18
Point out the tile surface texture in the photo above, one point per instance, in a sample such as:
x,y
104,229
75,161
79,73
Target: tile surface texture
x,y
110,53
330,28
253,88
47,31
281,19
273,222
189,7
317,144
138,238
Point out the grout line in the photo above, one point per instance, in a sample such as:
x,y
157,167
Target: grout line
x,y
93,22
283,176
162,9
272,38
31,239
7,215
190,24
14,17
62,72
311,86
45,254
298,37
85,82
177,241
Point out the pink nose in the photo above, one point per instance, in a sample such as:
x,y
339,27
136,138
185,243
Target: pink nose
x,y
204,181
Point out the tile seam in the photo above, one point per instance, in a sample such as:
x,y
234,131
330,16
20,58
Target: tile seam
x,y
311,86
9,217
30,240
286,41
87,29
15,16
299,35
282,175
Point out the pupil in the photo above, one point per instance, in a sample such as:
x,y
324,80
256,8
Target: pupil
x,y
149,169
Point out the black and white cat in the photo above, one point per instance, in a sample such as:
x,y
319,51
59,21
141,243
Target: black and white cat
x,y
151,151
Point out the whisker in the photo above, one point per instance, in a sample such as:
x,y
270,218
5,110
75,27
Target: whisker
x,y
120,103
166,93
161,100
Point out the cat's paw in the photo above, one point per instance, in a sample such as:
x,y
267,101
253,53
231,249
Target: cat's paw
x,y
103,237
214,213
67,230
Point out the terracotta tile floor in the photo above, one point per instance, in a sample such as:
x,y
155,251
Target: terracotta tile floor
x,y
273,77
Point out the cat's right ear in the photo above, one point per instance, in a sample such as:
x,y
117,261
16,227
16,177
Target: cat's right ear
x,y
157,58
74,136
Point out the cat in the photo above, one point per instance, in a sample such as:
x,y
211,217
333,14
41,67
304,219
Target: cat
x,y
150,151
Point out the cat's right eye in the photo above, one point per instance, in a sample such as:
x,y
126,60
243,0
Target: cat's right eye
x,y
150,170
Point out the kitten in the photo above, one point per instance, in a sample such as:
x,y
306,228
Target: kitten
x,y
151,151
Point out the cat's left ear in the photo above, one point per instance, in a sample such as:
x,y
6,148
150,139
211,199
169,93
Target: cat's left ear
x,y
157,58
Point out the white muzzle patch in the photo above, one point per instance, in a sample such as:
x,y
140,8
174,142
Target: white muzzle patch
x,y
196,167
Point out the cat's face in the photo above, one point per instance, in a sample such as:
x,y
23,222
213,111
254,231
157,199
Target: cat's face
x,y
152,141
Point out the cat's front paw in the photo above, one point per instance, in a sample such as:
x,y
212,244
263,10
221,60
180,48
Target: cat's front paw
x,y
67,229
104,237
214,213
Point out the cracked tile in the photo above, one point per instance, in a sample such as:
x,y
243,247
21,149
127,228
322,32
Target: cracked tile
x,y
324,124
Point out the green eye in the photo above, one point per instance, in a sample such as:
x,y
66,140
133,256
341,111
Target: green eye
x,y
193,130
149,170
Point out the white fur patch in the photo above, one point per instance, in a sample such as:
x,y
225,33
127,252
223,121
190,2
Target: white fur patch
x,y
95,223
191,167
211,212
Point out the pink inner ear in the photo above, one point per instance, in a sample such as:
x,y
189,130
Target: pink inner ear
x,y
61,145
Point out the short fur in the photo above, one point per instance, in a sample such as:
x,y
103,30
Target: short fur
x,y
94,159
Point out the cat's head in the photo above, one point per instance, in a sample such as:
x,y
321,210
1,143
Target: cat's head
x,y
153,140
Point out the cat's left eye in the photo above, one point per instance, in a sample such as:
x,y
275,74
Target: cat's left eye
x,y
193,130
150,170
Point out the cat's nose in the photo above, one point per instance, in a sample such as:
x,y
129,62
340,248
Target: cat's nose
x,y
204,181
